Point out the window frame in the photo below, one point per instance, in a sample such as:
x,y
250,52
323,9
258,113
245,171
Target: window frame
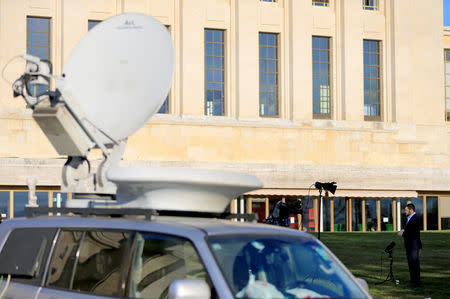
x,y
379,90
94,22
276,59
222,70
329,76
34,87
372,5
321,3
165,107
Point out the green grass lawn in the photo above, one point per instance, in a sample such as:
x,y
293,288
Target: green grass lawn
x,y
361,253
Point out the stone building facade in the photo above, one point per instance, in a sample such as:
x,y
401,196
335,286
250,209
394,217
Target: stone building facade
x,y
293,91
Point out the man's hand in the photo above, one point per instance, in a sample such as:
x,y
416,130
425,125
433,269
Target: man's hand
x,y
400,233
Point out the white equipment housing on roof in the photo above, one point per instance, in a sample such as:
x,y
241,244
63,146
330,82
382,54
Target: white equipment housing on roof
x,y
184,189
115,79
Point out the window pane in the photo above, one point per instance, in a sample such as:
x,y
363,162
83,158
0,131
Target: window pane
x,y
315,68
25,252
418,203
372,81
20,200
339,214
217,50
320,2
268,70
217,76
4,204
214,71
356,214
323,69
99,266
42,199
316,55
92,24
373,46
209,35
64,197
218,62
386,214
271,40
321,79
209,49
160,259
316,94
324,55
371,214
315,42
432,212
308,216
316,107
370,4
217,35
271,52
326,214
63,260
38,43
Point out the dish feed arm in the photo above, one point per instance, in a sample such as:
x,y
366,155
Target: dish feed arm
x,y
67,129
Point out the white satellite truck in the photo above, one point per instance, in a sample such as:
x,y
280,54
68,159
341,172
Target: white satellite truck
x,y
143,232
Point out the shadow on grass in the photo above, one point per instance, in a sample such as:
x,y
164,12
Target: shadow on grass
x,y
364,256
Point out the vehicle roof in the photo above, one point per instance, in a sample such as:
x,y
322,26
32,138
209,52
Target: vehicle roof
x,y
166,224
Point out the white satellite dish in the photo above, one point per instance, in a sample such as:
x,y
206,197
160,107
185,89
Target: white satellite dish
x,y
119,74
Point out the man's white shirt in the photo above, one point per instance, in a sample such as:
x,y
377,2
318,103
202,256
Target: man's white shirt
x,y
409,217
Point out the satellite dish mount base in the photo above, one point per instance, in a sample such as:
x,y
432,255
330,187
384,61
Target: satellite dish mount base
x,y
78,176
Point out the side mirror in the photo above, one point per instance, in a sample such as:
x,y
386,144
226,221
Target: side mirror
x,y
189,289
363,284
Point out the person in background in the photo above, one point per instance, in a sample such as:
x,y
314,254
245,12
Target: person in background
x,y
280,215
413,244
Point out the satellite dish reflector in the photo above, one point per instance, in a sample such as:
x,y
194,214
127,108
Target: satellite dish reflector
x,y
179,189
119,74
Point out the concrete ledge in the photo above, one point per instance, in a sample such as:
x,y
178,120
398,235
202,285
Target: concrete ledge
x,y
15,171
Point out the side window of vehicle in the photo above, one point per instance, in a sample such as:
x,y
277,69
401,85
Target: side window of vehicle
x,y
101,266
25,253
160,259
63,259
91,261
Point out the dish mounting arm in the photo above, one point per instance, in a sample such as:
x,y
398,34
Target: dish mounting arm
x,y
68,129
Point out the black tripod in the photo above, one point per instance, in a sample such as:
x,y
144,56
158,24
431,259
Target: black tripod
x,y
390,276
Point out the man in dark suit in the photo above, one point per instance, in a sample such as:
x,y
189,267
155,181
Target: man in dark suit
x,y
411,236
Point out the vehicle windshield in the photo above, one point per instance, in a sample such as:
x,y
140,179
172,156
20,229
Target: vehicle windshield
x,y
274,266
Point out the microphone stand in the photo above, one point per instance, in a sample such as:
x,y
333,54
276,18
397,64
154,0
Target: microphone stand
x,y
390,276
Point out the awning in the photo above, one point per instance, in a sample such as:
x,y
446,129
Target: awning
x,y
339,193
